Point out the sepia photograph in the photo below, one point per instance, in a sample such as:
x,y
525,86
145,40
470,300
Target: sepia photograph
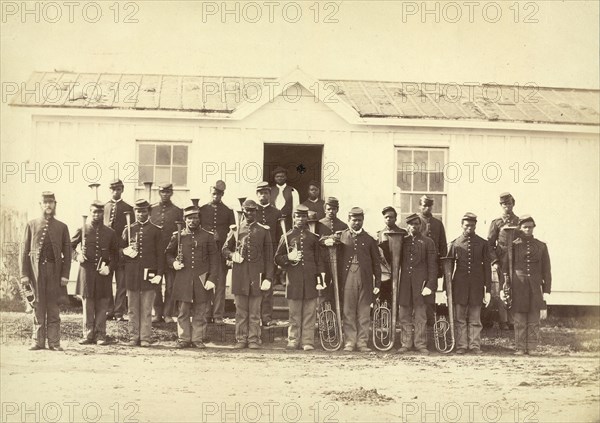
x,y
300,211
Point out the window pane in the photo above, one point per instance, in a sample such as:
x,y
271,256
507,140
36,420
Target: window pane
x,y
180,155
146,154
404,156
421,159
420,181
163,174
436,160
146,174
437,203
403,181
405,203
180,176
436,181
414,206
163,154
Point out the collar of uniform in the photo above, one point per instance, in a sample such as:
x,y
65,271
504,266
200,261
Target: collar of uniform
x,y
116,201
352,231
96,224
47,219
165,203
508,215
143,223
264,206
394,228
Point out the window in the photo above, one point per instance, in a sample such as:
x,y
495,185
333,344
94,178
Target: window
x,y
163,162
420,171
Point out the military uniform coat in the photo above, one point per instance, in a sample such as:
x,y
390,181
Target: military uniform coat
x,y
101,243
269,216
114,217
164,215
473,269
35,233
317,207
326,227
217,218
302,277
497,237
419,269
150,255
531,274
256,248
364,247
200,257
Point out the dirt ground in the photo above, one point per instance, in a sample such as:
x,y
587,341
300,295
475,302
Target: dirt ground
x,y
117,383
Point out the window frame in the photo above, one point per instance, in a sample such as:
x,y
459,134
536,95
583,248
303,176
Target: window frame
x,y
164,142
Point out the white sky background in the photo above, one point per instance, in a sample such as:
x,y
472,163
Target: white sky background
x,y
371,40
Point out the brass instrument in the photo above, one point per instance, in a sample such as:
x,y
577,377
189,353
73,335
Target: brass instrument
x,y
384,319
94,187
148,188
330,322
443,330
180,224
507,288
238,220
195,202
82,245
130,242
293,248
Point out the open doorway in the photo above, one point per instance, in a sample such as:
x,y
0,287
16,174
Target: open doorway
x,y
303,163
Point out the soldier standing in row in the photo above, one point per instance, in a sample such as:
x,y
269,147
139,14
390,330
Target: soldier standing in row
x,y
471,284
531,286
418,284
216,217
389,216
314,201
45,266
268,216
164,214
361,276
498,248
97,260
114,218
144,269
434,229
249,247
196,264
302,265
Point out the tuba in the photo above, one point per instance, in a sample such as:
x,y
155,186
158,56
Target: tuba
x,y
384,319
507,288
94,187
195,202
443,330
180,225
330,322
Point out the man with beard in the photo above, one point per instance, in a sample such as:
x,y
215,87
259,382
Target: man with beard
x,y
249,247
471,284
361,277
268,216
314,201
97,259
216,217
114,218
144,269
498,248
418,283
389,217
302,265
45,266
196,262
531,286
434,229
164,214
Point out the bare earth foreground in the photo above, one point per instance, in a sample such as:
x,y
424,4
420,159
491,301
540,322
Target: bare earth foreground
x,y
160,384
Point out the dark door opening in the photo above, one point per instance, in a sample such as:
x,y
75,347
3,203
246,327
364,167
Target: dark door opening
x,y
303,164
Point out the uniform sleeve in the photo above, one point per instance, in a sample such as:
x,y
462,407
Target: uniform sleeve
x,y
213,257
229,245
267,256
25,260
546,271
66,252
492,239
76,240
487,268
160,265
231,217
432,267
113,250
281,253
375,262
442,242
171,251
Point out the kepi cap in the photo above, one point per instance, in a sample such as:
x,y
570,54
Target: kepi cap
x,y
141,204
332,201
387,209
426,200
97,204
263,186
506,196
219,186
190,210
249,205
471,217
526,218
301,210
48,195
167,186
356,211
412,217
115,183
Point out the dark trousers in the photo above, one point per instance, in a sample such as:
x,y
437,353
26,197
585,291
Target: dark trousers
x,y
46,318
140,314
527,329
468,326
247,318
94,318
266,305
357,311
164,307
414,328
117,303
303,316
191,321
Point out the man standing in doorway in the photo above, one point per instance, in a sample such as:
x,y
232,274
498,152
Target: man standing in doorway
x,y
314,201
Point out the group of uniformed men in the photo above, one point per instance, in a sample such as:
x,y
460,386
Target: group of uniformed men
x,y
194,262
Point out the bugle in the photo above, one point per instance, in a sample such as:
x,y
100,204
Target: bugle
x,y
330,322
507,287
82,246
180,224
384,319
130,242
148,188
94,187
443,330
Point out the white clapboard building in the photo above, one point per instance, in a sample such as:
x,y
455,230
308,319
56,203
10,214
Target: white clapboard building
x,y
369,143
